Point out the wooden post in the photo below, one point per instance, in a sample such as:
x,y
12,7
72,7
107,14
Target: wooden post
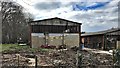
x,y
79,59
105,40
103,43
46,34
113,56
118,45
30,38
36,61
18,61
63,39
79,55
79,28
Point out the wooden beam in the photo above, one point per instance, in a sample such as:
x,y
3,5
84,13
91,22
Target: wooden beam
x,y
80,37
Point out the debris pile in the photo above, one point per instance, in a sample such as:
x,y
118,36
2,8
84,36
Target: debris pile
x,y
14,60
96,59
60,57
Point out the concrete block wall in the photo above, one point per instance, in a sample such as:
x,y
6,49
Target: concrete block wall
x,y
57,40
70,40
37,41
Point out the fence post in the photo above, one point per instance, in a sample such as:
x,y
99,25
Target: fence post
x,y
35,61
18,61
79,59
113,58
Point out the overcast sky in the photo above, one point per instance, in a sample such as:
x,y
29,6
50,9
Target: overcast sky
x,y
94,15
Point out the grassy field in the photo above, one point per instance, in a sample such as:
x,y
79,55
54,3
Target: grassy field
x,y
16,47
4,47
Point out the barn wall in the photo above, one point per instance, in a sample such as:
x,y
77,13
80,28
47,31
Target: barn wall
x,y
70,40
57,40
118,44
95,41
37,41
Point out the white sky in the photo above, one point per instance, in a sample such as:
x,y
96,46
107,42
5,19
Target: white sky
x,y
101,18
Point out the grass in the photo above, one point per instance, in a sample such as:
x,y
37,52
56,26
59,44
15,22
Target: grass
x,y
16,47
4,47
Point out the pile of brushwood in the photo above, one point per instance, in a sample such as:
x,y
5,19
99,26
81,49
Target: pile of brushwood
x,y
116,57
63,58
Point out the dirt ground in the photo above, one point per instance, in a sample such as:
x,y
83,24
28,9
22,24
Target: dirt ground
x,y
56,58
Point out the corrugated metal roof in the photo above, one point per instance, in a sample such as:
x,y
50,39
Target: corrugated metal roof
x,y
38,21
101,32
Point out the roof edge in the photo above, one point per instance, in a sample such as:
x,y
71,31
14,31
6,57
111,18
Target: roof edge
x,y
55,18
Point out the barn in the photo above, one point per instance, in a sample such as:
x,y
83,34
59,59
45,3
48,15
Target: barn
x,y
107,39
54,31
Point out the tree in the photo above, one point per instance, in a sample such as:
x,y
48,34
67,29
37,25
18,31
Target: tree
x,y
14,23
